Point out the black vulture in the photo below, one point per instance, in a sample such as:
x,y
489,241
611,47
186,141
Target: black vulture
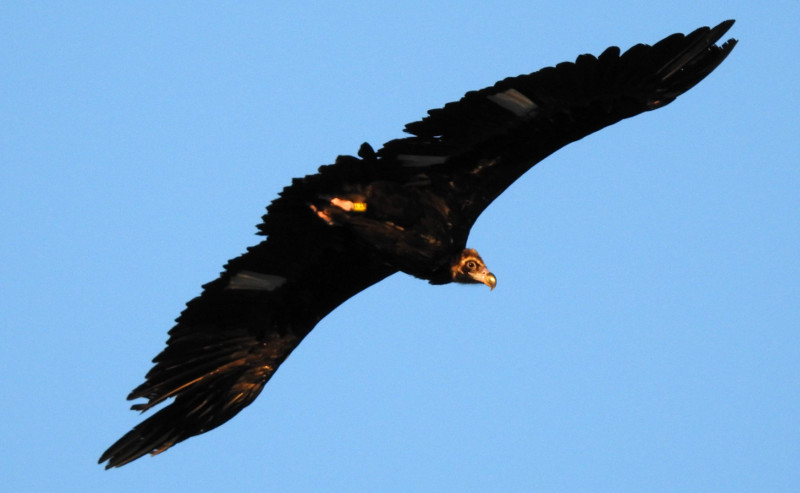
x,y
408,207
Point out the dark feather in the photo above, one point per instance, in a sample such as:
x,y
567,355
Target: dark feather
x,y
408,207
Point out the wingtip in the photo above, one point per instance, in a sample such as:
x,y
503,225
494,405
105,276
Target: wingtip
x,y
720,29
726,24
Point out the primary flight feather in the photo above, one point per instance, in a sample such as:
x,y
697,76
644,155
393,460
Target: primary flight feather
x,y
408,207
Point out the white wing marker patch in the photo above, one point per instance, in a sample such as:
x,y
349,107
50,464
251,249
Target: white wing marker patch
x,y
248,279
515,102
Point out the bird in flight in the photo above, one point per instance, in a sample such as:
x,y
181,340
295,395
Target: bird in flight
x,y
407,207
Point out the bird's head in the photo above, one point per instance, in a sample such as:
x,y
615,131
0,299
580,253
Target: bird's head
x,y
468,268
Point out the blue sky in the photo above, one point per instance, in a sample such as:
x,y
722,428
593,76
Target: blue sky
x,y
645,331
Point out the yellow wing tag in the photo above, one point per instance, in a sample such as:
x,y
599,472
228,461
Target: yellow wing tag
x,y
359,206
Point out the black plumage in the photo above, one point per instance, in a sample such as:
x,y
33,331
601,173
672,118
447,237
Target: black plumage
x,y
407,207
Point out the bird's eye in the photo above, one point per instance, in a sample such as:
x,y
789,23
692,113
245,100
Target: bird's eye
x,y
471,265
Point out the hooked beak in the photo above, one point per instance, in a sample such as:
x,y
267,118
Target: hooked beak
x,y
488,279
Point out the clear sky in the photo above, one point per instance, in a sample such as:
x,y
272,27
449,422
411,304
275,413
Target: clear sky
x,y
645,331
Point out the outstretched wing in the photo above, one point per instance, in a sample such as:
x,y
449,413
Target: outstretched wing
x,y
229,341
489,138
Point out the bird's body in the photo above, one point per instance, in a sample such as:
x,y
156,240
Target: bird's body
x,y
408,207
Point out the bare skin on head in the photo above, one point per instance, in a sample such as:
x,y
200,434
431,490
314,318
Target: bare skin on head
x,y
470,269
